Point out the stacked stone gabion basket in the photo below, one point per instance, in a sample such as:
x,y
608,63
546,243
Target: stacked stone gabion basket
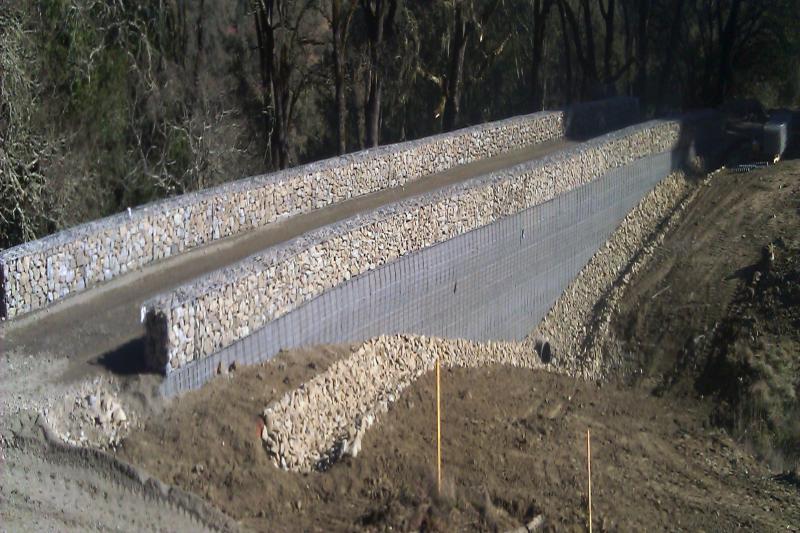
x,y
313,425
213,312
40,272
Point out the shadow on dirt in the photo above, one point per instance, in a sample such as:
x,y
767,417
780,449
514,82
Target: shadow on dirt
x,y
126,360
789,478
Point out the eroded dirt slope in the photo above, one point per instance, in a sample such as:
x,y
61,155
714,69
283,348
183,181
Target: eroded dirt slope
x,y
717,312
514,440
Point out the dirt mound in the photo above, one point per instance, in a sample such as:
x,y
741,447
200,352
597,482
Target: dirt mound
x,y
514,449
717,313
514,439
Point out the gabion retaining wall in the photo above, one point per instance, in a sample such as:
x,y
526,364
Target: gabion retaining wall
x,y
325,417
37,273
202,318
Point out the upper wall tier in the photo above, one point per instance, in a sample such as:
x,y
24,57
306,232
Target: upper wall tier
x,y
216,310
39,272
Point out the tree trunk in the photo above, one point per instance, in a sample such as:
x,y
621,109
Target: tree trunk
x,y
199,26
341,103
608,14
586,59
627,43
266,50
276,67
590,77
458,48
373,109
378,13
666,70
642,49
727,37
361,89
281,97
567,52
340,23
541,8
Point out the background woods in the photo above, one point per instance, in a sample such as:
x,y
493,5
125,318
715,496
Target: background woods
x,y
106,104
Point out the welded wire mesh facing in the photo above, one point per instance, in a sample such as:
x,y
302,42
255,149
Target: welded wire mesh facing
x,y
749,167
496,282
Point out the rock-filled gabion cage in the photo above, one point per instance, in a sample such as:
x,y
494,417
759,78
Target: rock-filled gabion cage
x,y
40,272
342,282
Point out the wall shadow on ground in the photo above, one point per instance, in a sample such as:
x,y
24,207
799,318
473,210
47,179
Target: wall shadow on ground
x,y
125,360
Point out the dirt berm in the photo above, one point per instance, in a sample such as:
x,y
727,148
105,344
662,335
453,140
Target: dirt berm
x,y
667,453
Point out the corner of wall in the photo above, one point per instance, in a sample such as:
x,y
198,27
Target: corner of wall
x,y
156,357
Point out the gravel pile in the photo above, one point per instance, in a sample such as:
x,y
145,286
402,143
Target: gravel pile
x,y
316,424
583,311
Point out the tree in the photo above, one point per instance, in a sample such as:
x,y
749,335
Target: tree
x,y
562,16
643,21
285,45
24,208
341,14
379,17
541,8
459,33
675,30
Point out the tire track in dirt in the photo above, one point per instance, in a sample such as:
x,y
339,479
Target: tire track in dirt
x,y
49,486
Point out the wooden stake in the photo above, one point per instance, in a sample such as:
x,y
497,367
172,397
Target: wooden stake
x,y
589,466
438,432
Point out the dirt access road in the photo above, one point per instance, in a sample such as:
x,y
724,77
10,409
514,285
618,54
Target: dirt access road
x,y
47,486
99,330
514,440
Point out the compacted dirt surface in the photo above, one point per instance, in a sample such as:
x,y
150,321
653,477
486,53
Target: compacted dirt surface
x,y
514,448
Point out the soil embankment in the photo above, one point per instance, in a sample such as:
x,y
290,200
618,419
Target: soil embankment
x,y
514,448
664,455
717,311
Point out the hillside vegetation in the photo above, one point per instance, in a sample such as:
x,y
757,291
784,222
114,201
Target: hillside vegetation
x,y
106,104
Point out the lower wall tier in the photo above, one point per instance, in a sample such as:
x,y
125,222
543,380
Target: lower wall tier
x,y
493,283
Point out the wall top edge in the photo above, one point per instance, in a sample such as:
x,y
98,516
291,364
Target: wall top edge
x,y
161,207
